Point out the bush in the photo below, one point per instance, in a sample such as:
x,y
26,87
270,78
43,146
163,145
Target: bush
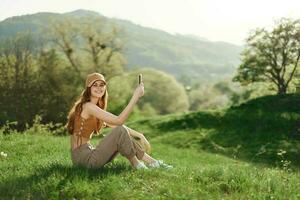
x,y
162,92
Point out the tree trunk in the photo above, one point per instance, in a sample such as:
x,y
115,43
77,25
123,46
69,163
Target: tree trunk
x,y
281,89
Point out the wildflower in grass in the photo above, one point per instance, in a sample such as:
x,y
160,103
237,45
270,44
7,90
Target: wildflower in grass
x,y
281,152
3,155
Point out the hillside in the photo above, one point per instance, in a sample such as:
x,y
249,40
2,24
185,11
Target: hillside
x,y
256,131
179,55
246,152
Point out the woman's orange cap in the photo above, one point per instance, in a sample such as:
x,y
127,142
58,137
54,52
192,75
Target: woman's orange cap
x,y
91,78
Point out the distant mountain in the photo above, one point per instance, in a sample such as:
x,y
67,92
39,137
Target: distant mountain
x,y
181,55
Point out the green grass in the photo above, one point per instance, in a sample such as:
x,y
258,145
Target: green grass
x,y
230,154
255,132
39,167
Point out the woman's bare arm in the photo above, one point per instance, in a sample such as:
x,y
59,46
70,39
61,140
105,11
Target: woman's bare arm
x,y
110,118
110,125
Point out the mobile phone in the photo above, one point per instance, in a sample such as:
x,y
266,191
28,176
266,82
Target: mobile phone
x,y
140,78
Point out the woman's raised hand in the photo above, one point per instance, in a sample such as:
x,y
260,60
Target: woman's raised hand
x,y
139,91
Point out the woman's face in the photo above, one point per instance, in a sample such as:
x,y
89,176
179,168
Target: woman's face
x,y
98,89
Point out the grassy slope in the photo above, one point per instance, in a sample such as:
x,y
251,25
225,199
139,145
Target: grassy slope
x,y
202,146
255,131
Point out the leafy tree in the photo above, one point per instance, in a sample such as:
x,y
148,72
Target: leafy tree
x,y
162,91
33,82
56,87
89,45
272,56
16,75
119,93
163,94
207,97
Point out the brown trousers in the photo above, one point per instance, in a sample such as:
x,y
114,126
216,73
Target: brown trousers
x,y
117,141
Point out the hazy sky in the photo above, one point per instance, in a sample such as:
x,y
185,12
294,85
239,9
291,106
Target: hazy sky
x,y
216,20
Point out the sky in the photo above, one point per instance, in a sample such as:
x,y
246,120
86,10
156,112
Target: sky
x,y
216,20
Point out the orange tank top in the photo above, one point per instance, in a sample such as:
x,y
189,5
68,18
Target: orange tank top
x,y
85,127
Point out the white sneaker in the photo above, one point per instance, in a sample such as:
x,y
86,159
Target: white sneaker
x,y
160,164
141,165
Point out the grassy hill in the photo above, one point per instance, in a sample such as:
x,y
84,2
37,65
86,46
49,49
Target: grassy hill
x,y
246,152
146,47
255,131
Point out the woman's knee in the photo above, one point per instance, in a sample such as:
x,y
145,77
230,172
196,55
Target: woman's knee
x,y
121,129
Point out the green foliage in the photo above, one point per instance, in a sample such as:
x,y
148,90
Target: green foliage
x,y
57,87
219,95
206,97
88,48
17,73
163,94
33,81
119,93
45,66
272,56
37,80
162,91
176,54
45,129
8,128
254,131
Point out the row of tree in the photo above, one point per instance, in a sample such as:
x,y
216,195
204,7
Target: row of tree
x,y
44,74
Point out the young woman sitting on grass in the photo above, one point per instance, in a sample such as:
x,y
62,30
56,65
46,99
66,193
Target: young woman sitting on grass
x,y
89,114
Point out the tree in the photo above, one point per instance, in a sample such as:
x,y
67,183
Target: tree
x,y
271,56
56,87
162,91
89,45
33,81
16,72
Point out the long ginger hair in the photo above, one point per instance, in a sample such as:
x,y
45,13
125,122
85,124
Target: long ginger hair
x,y
77,108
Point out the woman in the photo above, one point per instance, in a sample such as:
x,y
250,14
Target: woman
x,y
89,114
